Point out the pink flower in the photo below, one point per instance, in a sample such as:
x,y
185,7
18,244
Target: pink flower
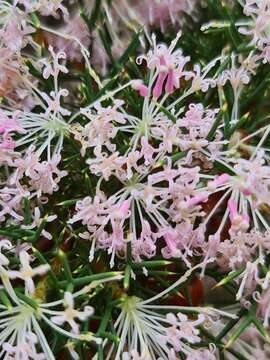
x,y
43,177
200,354
219,181
55,67
54,102
197,199
147,151
239,222
14,81
14,34
7,142
11,203
101,129
196,125
180,241
199,79
140,87
210,249
169,66
99,214
105,165
248,279
237,78
234,253
242,247
254,177
10,124
257,28
53,8
145,244
183,329
91,212
263,308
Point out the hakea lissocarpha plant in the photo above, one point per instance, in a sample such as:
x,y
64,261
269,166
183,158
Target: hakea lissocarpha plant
x,y
135,180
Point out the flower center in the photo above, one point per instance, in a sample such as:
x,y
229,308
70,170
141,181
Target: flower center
x,y
57,125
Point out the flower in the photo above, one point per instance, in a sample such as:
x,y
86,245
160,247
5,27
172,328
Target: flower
x,y
263,305
14,34
16,83
249,279
21,326
43,128
169,65
246,190
54,102
237,77
25,349
202,354
47,8
69,314
53,67
8,128
6,245
165,192
257,27
26,272
101,128
183,329
14,28
37,221
10,203
145,331
140,87
43,176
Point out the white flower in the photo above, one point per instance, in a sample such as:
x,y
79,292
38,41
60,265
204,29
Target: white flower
x,y
37,220
24,350
183,328
54,102
21,334
54,67
46,129
69,314
4,244
26,272
146,332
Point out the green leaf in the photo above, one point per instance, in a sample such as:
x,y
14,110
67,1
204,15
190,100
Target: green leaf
x,y
232,275
91,21
68,202
85,280
127,277
133,46
67,270
151,264
216,124
261,329
27,211
241,328
35,20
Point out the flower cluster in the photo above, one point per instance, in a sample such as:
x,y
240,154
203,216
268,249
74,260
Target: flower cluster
x,y
258,29
134,180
